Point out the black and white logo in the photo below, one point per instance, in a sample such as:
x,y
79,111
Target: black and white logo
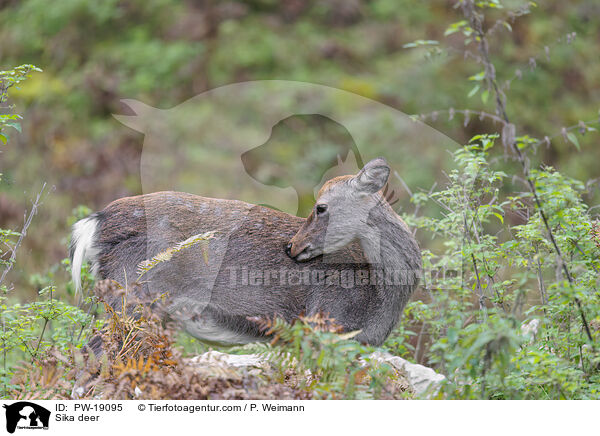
x,y
26,415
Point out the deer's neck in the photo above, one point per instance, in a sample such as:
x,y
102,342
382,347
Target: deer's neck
x,y
395,257
389,246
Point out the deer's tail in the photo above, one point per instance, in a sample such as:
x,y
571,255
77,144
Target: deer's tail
x,y
82,248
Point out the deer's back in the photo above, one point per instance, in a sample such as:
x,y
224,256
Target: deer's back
x,y
243,271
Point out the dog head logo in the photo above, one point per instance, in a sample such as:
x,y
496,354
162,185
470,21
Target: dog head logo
x,y
27,415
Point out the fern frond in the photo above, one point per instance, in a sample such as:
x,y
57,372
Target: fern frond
x,y
166,255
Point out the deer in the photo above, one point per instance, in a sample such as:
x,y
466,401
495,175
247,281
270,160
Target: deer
x,y
353,258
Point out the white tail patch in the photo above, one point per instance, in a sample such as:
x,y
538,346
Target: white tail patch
x,y
84,233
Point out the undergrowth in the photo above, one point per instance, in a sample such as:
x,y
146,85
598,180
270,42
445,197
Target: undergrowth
x,y
134,356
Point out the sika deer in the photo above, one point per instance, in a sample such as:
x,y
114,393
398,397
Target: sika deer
x,y
353,258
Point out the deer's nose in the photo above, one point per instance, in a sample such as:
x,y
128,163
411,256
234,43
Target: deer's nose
x,y
288,249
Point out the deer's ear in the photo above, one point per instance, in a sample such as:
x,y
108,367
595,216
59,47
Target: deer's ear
x,y
372,177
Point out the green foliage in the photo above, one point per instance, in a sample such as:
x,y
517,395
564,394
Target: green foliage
x,y
511,275
8,79
518,316
328,363
30,330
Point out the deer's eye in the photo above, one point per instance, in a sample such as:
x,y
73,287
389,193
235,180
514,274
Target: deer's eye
x,y
321,209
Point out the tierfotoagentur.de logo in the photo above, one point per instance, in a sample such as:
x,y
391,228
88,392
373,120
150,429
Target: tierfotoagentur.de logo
x,y
26,415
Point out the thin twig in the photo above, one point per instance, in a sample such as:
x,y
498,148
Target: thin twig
x,y
41,336
23,233
419,342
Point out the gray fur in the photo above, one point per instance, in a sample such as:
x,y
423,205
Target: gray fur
x,y
209,305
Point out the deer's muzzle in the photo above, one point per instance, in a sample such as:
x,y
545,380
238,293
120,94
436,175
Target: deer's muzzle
x,y
299,252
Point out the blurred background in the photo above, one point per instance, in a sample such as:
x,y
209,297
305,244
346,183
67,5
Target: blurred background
x,y
165,52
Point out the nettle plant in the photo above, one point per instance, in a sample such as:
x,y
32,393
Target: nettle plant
x,y
513,309
503,319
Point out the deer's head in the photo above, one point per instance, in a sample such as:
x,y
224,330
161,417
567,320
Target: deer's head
x,y
341,212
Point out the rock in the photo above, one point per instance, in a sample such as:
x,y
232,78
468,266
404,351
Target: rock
x,y
236,360
421,378
77,392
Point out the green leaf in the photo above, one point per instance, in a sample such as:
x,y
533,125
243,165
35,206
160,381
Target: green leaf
x,y
484,96
16,126
420,42
473,91
574,140
3,138
478,77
